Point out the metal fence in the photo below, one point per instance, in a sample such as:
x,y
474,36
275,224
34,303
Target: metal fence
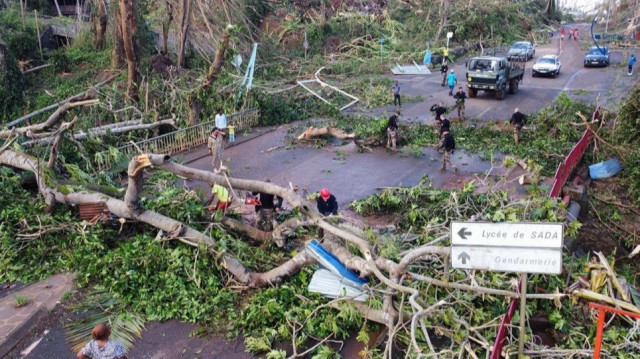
x,y
186,138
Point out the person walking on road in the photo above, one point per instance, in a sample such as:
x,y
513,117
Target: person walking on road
x,y
452,81
438,109
444,69
632,61
100,347
518,120
562,34
216,149
449,145
460,96
396,94
445,55
445,126
392,130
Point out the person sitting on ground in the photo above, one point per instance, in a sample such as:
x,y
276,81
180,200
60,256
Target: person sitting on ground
x,y
392,130
220,198
327,204
100,347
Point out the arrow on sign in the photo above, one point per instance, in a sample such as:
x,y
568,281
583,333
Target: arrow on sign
x,y
463,233
464,257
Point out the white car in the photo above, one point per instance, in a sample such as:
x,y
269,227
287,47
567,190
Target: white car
x,y
547,65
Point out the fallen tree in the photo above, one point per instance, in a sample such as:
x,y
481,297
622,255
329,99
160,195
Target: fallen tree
x,y
400,279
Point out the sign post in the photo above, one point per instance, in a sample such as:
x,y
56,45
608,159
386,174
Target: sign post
x,y
449,36
305,45
508,247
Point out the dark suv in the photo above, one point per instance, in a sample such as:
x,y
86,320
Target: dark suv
x,y
597,57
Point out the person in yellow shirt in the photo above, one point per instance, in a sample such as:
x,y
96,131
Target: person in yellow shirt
x,y
220,197
445,54
232,132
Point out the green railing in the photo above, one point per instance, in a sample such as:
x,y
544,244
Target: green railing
x,y
184,139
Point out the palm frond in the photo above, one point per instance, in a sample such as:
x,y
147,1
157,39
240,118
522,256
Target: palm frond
x,y
125,326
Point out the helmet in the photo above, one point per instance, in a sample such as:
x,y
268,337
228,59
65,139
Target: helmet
x,y
325,194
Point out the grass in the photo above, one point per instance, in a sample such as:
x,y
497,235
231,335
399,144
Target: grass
x,y
20,301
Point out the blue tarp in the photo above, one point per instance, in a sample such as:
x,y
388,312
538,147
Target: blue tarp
x,y
427,58
329,261
605,169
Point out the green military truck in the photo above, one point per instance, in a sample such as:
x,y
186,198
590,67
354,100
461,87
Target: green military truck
x,y
493,74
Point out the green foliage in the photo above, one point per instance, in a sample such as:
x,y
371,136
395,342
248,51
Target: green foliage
x,y
276,307
285,108
20,301
104,309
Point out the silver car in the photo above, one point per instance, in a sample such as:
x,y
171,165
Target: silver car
x,y
547,65
521,50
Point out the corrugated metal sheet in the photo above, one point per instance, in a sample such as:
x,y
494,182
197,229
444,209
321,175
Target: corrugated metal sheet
x,y
329,261
92,210
605,169
333,286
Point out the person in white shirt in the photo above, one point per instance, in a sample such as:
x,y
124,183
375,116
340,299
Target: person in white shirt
x,y
221,122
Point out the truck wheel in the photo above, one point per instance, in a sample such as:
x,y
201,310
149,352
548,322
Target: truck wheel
x,y
513,86
473,93
500,93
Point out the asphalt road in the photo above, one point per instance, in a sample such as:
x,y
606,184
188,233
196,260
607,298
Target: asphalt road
x,y
601,85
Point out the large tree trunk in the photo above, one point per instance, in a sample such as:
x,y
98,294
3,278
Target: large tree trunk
x,y
117,53
101,23
185,21
115,129
129,28
195,107
443,19
55,117
166,22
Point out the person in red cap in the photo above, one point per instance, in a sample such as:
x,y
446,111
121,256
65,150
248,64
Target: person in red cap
x,y
327,204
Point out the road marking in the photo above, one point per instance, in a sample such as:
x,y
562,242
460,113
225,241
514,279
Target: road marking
x,y
485,111
566,85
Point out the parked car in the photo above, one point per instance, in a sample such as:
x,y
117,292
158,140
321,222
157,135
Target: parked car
x,y
547,65
597,57
521,50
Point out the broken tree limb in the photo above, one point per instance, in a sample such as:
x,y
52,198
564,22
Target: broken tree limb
x,y
328,130
587,294
279,234
78,97
53,156
52,120
102,131
34,69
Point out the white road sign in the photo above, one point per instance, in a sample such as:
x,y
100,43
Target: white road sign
x,y
506,234
523,260
507,247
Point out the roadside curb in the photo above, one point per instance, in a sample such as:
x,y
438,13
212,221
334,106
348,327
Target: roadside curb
x,y
42,296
